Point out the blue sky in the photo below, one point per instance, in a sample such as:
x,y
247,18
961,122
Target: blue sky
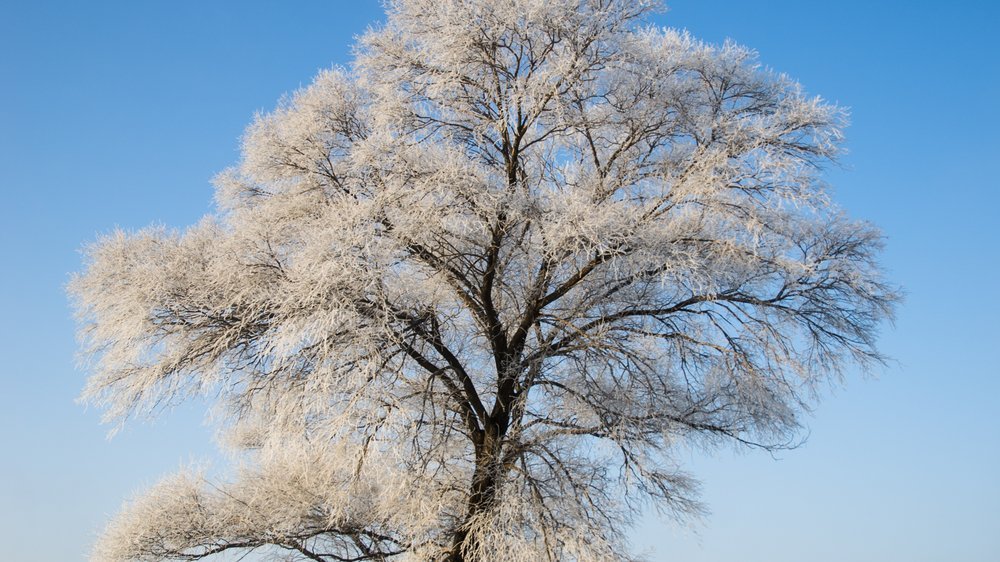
x,y
119,113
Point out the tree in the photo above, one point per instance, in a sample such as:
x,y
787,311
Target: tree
x,y
467,296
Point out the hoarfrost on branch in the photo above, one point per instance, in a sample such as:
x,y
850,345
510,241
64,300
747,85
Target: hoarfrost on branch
x,y
467,296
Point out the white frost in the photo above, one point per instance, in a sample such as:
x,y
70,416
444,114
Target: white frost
x,y
466,296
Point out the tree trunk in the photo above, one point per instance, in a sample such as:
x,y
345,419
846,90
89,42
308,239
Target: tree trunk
x,y
482,491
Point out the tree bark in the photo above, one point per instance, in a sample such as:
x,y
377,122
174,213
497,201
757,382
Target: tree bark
x,y
482,490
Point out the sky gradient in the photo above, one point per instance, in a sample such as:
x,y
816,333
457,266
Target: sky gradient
x,y
119,113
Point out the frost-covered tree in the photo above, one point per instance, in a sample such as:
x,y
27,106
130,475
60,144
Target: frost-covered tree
x,y
464,299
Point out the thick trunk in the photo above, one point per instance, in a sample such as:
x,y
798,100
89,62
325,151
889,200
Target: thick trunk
x,y
482,491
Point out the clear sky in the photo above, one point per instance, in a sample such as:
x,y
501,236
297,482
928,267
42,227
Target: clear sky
x,y
118,113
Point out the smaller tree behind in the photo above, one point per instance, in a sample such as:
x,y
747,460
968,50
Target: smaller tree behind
x,y
465,297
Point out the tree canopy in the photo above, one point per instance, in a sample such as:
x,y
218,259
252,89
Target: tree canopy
x,y
470,294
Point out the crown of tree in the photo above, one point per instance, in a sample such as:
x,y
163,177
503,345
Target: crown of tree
x,y
469,295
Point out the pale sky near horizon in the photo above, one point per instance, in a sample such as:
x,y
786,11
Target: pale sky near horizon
x,y
119,113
